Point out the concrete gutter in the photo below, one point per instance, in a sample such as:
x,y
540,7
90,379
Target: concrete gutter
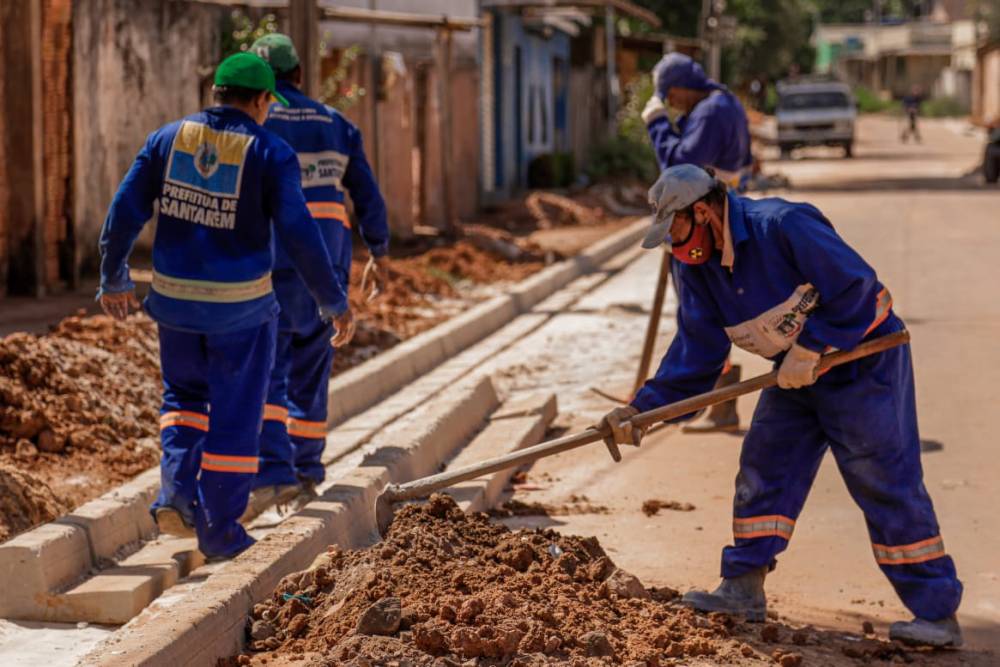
x,y
208,625
51,558
361,387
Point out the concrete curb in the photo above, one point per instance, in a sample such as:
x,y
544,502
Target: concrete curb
x,y
202,628
518,424
353,391
55,556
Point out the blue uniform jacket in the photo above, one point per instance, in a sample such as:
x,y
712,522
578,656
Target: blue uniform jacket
x,y
715,134
793,279
220,179
332,158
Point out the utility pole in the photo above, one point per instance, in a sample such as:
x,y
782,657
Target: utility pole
x,y
709,32
610,56
304,22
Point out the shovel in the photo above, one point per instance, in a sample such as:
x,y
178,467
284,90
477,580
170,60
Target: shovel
x,y
421,488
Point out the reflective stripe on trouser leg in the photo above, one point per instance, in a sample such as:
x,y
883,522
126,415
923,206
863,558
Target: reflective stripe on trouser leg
x,y
308,386
781,454
184,420
277,458
871,423
239,365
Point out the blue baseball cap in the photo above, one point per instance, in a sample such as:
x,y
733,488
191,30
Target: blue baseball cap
x,y
676,70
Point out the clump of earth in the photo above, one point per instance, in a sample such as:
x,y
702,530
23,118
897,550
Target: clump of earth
x,y
446,589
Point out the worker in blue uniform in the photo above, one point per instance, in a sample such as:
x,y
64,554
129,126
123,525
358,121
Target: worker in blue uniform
x,y
333,162
774,278
694,120
221,184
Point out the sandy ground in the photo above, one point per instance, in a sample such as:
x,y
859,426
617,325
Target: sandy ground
x,y
916,214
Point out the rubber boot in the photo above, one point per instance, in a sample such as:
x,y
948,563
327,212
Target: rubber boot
x,y
721,417
265,497
919,632
742,595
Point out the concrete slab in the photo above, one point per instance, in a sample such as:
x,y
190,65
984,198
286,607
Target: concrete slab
x,y
49,557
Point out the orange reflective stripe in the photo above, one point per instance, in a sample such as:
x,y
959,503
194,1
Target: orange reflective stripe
x,y
195,420
306,429
329,210
883,304
228,463
907,554
275,413
770,525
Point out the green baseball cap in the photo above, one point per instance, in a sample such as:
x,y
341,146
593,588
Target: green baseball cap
x,y
248,70
278,50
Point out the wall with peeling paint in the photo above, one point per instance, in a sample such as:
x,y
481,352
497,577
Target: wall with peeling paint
x,y
137,65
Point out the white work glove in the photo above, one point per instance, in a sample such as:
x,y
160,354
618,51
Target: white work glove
x,y
655,108
622,431
798,369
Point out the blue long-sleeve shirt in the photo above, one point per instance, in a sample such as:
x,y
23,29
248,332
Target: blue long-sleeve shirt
x,y
714,134
793,280
332,157
222,183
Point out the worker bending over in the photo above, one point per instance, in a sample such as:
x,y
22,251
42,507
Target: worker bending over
x,y
332,158
222,183
774,278
702,123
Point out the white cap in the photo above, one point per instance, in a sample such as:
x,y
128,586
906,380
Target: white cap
x,y
677,188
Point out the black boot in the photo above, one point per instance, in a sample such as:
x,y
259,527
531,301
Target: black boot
x,y
721,417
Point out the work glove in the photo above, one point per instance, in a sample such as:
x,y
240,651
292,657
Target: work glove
x,y
374,277
798,368
655,108
343,328
621,429
116,304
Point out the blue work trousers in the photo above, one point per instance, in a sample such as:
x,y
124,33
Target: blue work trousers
x,y
213,399
294,433
865,412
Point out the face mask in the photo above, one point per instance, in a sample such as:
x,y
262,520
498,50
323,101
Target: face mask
x,y
697,247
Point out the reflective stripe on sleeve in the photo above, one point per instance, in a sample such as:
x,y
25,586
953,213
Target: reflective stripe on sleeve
x,y
306,429
883,304
329,210
228,463
907,554
195,420
275,413
211,291
771,525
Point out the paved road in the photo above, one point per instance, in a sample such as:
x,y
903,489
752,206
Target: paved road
x,y
919,215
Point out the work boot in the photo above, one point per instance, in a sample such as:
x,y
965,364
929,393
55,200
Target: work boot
x,y
919,632
721,417
265,497
171,522
742,595
307,493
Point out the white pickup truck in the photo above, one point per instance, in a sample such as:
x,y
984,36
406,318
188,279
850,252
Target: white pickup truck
x,y
815,113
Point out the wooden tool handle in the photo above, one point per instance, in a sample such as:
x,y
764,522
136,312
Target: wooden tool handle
x,y
422,487
827,361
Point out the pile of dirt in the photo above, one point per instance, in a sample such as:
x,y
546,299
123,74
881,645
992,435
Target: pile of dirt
x,y
25,501
78,413
445,589
422,291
